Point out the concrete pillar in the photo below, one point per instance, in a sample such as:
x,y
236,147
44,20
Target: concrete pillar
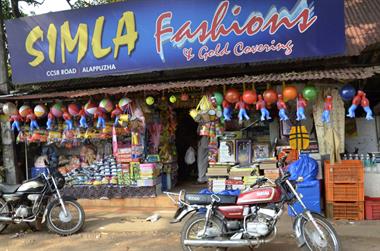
x,y
9,160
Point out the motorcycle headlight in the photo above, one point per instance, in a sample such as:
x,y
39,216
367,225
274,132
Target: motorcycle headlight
x,y
60,180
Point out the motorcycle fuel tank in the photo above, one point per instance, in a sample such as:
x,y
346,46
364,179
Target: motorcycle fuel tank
x,y
33,186
260,195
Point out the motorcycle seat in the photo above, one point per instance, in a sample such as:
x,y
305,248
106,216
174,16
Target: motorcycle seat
x,y
205,199
7,188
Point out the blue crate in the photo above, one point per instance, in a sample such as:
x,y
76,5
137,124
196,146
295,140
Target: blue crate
x,y
36,171
311,196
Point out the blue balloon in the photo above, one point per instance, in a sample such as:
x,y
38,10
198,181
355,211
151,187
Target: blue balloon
x,y
347,92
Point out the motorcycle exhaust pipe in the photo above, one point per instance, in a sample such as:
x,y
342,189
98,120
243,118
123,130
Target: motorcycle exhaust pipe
x,y
5,219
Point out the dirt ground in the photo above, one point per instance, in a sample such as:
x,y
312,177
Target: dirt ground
x,y
118,230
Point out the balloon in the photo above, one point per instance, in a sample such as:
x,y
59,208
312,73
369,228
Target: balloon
x,y
56,110
270,96
289,93
90,107
347,92
310,92
218,98
172,99
25,110
232,96
123,103
249,97
106,105
149,100
10,109
40,111
184,97
73,109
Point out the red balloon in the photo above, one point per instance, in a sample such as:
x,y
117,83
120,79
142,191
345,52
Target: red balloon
x,y
289,93
270,96
184,97
232,96
249,97
73,109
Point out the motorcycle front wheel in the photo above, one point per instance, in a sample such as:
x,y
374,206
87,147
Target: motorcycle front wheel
x,y
4,210
194,226
314,241
65,224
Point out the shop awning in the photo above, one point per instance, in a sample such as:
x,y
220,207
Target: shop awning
x,y
353,73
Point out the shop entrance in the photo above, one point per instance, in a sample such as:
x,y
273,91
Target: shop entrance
x,y
186,136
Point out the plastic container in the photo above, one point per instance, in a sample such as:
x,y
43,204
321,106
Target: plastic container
x,y
345,210
347,171
345,192
311,196
372,208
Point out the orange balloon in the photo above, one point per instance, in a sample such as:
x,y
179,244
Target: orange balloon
x,y
232,96
249,97
289,93
270,96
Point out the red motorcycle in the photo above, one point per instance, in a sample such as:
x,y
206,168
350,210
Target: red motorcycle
x,y
250,219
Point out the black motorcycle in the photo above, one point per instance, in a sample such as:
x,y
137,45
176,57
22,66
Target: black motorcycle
x,y
40,198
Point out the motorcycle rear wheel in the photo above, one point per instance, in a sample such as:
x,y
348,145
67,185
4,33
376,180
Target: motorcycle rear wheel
x,y
5,210
313,241
194,225
63,224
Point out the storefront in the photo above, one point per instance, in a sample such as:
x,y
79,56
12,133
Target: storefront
x,y
122,130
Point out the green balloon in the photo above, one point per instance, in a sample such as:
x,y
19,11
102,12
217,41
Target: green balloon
x,y
310,93
218,97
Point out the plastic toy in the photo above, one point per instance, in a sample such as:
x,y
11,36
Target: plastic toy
x,y
40,111
365,104
32,118
73,109
56,110
261,105
249,97
347,92
227,110
99,114
124,103
355,102
50,121
310,93
106,105
90,107
289,93
116,114
10,109
301,104
16,119
242,110
270,96
68,120
327,109
232,96
82,120
281,108
24,110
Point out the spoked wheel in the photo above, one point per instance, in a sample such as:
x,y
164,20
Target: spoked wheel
x,y
314,241
193,229
4,210
65,224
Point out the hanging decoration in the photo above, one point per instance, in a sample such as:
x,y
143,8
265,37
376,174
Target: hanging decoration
x,y
261,106
249,97
227,110
116,114
56,110
301,104
90,107
347,92
281,106
10,109
270,96
327,109
68,120
40,111
32,118
242,110
100,116
289,93
232,96
173,99
149,100
106,105
124,103
184,97
218,98
365,104
73,109
361,99
24,110
16,118
50,121
310,93
82,120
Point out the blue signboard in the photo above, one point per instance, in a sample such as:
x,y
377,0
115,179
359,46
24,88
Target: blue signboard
x,y
143,36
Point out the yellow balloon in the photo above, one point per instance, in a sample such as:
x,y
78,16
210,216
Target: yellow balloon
x,y
172,99
149,100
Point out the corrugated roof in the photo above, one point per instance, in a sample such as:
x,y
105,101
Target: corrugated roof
x,y
362,24
334,74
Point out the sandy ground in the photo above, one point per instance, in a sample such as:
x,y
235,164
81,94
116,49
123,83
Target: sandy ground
x,y
117,230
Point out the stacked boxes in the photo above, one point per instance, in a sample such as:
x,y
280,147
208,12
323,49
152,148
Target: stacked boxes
x,y
148,175
344,186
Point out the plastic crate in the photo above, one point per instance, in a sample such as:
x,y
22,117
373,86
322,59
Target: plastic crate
x,y
372,208
345,210
347,171
344,192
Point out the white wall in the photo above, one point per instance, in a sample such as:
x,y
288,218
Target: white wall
x,y
366,139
